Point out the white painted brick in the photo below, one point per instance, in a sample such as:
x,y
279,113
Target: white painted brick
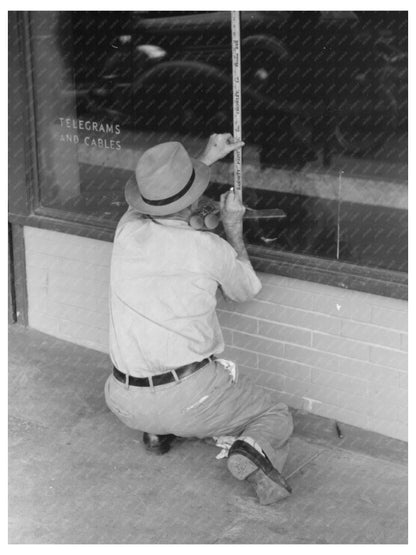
x,y
68,297
309,320
378,409
84,335
382,377
239,322
288,334
309,287
62,245
319,392
341,415
262,310
240,356
286,297
388,427
265,379
340,399
252,308
335,306
81,269
37,276
258,344
284,367
393,319
36,235
403,342
38,240
298,388
37,299
353,401
78,315
285,315
340,346
371,334
60,283
342,306
389,357
283,397
38,259
91,287
44,322
389,303
367,370
80,299
360,312
311,357
248,371
392,396
402,414
338,381
403,380
228,336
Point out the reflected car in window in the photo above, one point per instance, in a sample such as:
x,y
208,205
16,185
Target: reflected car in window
x,y
311,80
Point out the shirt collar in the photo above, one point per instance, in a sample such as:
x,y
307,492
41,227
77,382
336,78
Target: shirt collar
x,y
172,222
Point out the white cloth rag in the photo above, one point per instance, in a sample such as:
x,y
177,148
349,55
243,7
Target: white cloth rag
x,y
225,442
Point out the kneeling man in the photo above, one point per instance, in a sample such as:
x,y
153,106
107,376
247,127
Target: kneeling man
x,y
164,333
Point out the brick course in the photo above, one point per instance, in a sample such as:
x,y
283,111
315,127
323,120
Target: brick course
x,y
337,353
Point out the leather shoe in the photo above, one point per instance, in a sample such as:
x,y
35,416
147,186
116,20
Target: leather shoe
x,y
158,444
246,463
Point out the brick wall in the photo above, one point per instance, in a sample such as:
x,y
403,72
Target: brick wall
x,y
340,354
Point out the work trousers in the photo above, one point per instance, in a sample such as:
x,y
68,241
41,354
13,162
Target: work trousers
x,y
208,403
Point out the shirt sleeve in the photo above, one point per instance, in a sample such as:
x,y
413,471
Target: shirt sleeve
x,y
131,216
237,278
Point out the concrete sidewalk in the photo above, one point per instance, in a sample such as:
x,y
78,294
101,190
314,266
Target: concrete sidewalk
x,y
77,475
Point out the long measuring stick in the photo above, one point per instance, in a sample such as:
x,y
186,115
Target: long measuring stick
x,y
237,130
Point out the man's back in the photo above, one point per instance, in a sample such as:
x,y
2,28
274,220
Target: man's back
x,y
164,279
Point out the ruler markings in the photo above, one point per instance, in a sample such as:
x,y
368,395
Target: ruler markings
x,y
237,127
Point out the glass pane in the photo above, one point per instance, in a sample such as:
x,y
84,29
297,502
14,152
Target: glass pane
x,y
325,119
324,105
109,85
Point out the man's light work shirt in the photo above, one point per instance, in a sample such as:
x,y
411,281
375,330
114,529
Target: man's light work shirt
x,y
164,279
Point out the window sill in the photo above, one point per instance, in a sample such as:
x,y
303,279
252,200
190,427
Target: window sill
x,y
376,281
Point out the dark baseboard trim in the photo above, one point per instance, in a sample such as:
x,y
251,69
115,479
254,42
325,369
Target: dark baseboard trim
x,y
323,431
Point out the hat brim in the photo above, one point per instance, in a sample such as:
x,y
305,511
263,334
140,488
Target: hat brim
x,y
201,181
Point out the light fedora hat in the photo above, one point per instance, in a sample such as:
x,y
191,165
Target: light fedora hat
x,y
166,180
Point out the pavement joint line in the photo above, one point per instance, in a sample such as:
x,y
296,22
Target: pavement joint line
x,y
313,457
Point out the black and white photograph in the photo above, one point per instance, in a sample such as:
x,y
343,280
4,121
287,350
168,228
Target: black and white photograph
x,y
208,276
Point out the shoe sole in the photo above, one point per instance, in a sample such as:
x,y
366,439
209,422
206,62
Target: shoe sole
x,y
244,461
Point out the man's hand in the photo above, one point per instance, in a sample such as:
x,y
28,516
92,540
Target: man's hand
x,y
218,146
231,209
232,212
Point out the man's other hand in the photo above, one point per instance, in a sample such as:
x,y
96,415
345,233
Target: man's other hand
x,y
218,146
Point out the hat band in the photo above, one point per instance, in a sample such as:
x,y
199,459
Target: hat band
x,y
174,197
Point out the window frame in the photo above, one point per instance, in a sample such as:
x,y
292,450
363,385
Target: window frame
x,y
25,208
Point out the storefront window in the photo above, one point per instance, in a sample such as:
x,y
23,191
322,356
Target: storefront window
x,y
324,118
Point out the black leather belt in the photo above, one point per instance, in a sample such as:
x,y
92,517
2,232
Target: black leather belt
x,y
161,379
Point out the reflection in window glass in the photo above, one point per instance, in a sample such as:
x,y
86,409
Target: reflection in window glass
x,y
324,117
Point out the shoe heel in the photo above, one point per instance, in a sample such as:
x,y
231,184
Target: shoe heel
x,y
240,466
